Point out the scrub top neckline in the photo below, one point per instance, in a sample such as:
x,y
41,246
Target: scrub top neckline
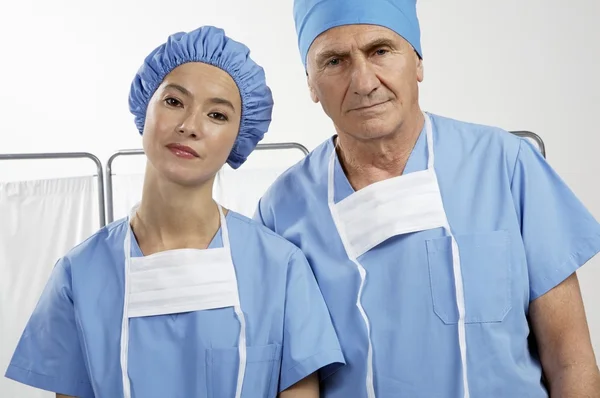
x,y
217,240
417,161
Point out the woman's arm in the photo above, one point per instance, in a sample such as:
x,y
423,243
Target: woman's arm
x,y
49,353
305,388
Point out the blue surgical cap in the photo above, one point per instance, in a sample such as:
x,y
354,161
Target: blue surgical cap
x,y
209,45
313,17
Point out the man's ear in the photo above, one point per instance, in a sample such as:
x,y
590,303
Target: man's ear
x,y
420,69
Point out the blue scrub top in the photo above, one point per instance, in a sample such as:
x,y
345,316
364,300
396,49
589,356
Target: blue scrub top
x,y
520,232
71,343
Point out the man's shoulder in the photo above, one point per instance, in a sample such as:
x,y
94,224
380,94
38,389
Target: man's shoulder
x,y
471,131
475,137
303,179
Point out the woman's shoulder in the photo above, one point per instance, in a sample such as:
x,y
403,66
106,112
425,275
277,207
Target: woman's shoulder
x,y
104,243
258,237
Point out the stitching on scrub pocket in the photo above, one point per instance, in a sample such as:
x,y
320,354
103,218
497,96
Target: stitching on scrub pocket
x,y
486,272
262,365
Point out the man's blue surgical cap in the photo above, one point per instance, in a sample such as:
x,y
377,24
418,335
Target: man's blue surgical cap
x,y
209,45
313,17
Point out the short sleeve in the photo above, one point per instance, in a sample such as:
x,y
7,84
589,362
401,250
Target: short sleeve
x,y
559,233
49,354
310,343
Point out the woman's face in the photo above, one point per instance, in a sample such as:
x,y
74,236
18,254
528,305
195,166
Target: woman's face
x,y
192,122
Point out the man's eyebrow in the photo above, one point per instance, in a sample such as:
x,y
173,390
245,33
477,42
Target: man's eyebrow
x,y
381,42
370,46
327,54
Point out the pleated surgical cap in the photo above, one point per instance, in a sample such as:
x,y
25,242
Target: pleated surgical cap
x,y
209,45
313,17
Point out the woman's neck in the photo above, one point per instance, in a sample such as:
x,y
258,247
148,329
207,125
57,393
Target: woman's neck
x,y
172,216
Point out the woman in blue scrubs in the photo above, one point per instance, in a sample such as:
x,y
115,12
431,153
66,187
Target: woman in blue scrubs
x,y
184,298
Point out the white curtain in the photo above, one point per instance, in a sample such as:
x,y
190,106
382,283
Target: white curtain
x,y
40,221
127,191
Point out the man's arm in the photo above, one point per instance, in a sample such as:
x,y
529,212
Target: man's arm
x,y
305,388
559,324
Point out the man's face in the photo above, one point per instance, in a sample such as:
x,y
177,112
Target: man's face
x,y
366,79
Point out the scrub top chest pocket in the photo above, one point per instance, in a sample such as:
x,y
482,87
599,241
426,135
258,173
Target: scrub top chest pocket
x,y
262,371
486,272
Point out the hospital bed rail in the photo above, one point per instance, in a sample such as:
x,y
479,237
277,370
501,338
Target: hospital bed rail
x,y
129,152
69,155
538,140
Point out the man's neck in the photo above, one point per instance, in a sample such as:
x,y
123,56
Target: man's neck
x,y
368,161
172,216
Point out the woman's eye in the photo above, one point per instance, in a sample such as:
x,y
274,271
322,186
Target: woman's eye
x,y
173,102
218,116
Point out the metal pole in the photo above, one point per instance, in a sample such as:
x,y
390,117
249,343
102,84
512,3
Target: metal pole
x,y
109,183
533,136
129,152
283,145
68,155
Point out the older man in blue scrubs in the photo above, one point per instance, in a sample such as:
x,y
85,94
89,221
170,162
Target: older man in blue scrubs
x,y
446,251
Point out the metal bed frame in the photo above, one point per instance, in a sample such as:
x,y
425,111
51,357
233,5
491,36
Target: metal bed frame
x,y
69,155
533,136
129,152
105,206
